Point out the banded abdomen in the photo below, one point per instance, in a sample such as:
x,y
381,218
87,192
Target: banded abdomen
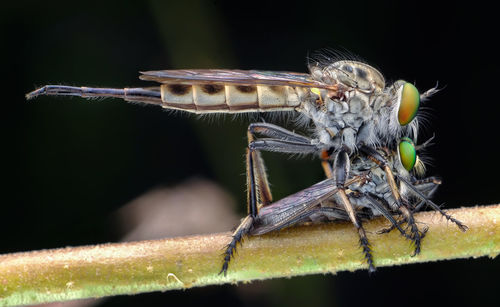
x,y
211,98
199,98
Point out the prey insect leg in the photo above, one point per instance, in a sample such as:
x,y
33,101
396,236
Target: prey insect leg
x,y
428,186
377,205
415,234
340,172
434,206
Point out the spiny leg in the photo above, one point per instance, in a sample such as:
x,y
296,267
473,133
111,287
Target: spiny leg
x,y
459,224
280,140
428,186
257,182
392,227
403,207
376,203
415,234
341,172
258,195
243,229
277,132
258,190
372,199
412,225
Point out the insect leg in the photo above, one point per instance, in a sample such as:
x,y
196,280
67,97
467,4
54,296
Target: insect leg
x,y
325,162
283,146
279,140
341,172
277,132
258,195
428,186
376,204
243,229
415,234
258,191
432,204
146,95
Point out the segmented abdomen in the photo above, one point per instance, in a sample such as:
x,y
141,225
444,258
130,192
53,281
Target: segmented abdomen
x,y
212,98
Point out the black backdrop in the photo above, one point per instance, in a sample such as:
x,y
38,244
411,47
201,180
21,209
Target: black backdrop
x,y
68,165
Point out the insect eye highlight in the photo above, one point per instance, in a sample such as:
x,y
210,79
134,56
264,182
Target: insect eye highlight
x,y
408,104
407,153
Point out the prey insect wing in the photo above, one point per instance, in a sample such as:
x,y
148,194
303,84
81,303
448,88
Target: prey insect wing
x,y
290,209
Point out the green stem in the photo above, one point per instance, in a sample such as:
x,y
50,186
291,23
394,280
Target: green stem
x,y
176,263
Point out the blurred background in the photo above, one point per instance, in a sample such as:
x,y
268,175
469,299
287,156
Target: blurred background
x,y
80,172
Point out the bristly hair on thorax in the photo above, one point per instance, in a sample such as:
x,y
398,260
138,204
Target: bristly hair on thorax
x,y
325,56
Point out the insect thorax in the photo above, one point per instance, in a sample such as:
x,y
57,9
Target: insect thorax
x,y
352,74
360,109
378,183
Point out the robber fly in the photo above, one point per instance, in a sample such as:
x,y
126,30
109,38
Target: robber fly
x,y
346,101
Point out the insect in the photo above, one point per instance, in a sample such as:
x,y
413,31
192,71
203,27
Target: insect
x,y
346,102
366,189
413,190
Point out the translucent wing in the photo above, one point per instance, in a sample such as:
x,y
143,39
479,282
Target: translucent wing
x,y
238,77
289,210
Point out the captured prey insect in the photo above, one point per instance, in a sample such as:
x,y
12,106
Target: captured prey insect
x,y
347,103
366,188
411,189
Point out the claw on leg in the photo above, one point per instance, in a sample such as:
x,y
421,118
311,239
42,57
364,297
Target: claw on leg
x,y
415,234
367,251
341,172
392,227
242,230
459,224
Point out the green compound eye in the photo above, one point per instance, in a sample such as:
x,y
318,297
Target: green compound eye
x,y
408,106
407,153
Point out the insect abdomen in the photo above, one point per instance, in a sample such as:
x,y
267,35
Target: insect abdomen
x,y
213,98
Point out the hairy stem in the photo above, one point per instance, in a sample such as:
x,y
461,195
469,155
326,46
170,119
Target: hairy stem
x,y
177,263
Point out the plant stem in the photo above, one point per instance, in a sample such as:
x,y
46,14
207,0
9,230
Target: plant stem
x,y
184,262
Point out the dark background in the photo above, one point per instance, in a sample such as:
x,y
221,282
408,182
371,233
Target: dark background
x,y
68,164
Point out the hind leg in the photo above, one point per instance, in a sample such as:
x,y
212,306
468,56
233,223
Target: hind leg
x,y
258,190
